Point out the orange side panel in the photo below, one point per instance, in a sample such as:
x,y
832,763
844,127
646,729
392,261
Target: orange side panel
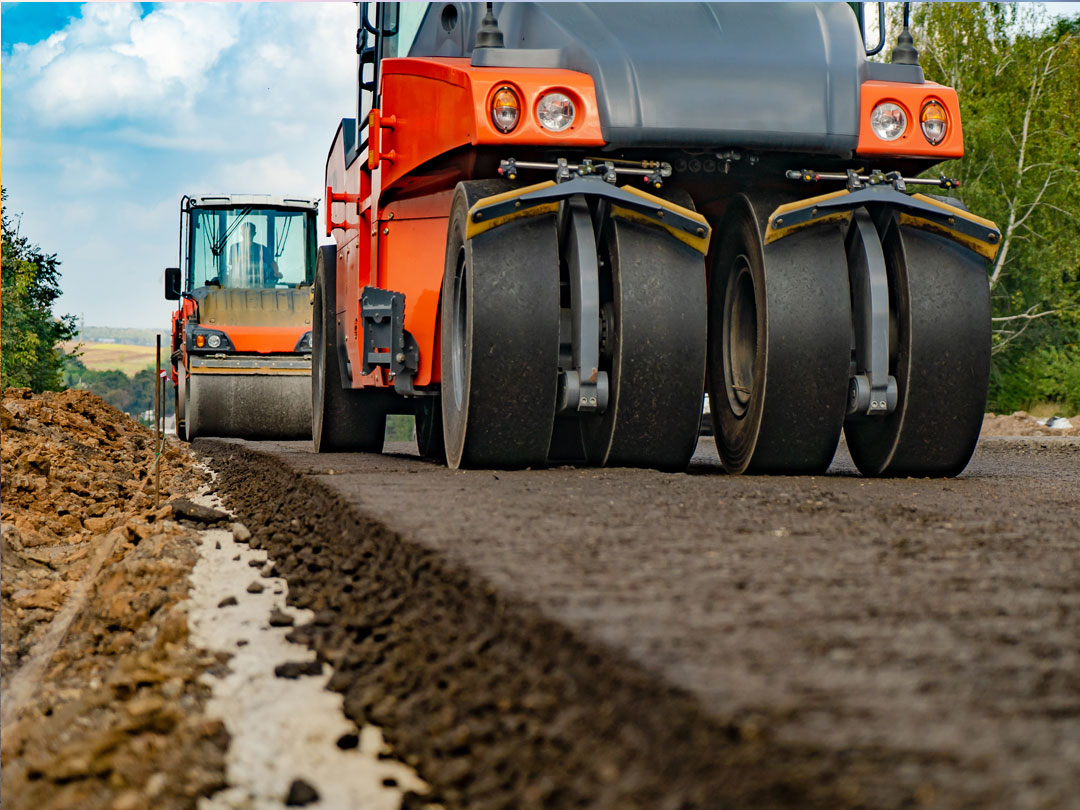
x,y
431,106
912,98
412,251
438,104
264,339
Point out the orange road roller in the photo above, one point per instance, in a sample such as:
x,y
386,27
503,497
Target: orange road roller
x,y
241,333
556,225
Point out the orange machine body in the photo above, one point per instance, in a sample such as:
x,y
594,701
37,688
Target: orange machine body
x,y
388,210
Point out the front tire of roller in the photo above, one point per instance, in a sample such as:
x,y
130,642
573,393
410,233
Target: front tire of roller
x,y
500,337
779,344
653,351
939,301
342,420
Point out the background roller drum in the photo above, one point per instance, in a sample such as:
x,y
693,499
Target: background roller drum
x,y
939,301
779,343
653,341
248,405
342,420
500,337
181,402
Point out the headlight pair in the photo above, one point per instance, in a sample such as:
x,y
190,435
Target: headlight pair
x,y
889,121
209,340
555,111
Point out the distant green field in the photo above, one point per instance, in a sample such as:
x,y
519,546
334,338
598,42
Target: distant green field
x,y
108,356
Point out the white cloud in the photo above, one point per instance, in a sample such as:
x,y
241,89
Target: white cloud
x,y
84,86
179,42
102,24
37,56
123,114
111,63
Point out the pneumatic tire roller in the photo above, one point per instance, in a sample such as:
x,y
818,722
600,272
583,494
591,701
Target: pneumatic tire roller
x,y
556,225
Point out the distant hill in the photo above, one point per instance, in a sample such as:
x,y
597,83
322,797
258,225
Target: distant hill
x,y
121,334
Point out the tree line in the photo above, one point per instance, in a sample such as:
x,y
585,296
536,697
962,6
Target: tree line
x,y
30,283
30,333
1017,73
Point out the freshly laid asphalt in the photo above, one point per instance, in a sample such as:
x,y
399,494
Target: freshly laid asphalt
x,y
578,637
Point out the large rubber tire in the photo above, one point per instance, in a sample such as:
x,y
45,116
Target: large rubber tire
x,y
939,300
500,337
779,343
654,352
342,420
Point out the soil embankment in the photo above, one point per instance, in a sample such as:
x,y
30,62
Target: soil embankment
x,y
1022,423
101,703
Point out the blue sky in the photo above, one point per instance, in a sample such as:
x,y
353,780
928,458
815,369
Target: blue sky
x,y
112,111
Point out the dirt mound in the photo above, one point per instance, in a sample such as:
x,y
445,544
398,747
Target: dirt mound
x,y
1021,423
101,705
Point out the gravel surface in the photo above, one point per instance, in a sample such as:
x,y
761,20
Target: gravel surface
x,y
570,637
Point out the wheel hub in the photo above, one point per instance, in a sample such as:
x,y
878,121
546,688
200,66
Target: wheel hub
x,y
460,331
740,337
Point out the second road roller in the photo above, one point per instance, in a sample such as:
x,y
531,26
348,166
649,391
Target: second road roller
x,y
553,223
241,333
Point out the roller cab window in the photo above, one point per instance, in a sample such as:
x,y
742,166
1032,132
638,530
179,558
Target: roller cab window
x,y
250,248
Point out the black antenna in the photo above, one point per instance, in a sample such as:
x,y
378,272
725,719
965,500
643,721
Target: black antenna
x,y
904,53
489,35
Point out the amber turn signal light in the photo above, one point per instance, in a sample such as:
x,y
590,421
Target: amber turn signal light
x,y
934,122
200,341
505,109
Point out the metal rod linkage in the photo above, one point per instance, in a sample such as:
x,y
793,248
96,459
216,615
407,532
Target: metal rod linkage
x,y
873,179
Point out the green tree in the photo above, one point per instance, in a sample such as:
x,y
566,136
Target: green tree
x,y
1017,73
29,332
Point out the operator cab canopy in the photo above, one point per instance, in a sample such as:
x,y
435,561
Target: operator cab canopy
x,y
764,75
251,241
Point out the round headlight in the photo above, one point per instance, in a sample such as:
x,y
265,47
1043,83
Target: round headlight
x,y
505,109
934,122
213,341
556,112
889,121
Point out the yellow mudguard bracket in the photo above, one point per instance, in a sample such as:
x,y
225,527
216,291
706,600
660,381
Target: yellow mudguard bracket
x,y
499,209
689,227
916,210
660,213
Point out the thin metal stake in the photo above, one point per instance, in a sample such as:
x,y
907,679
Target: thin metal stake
x,y
157,427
